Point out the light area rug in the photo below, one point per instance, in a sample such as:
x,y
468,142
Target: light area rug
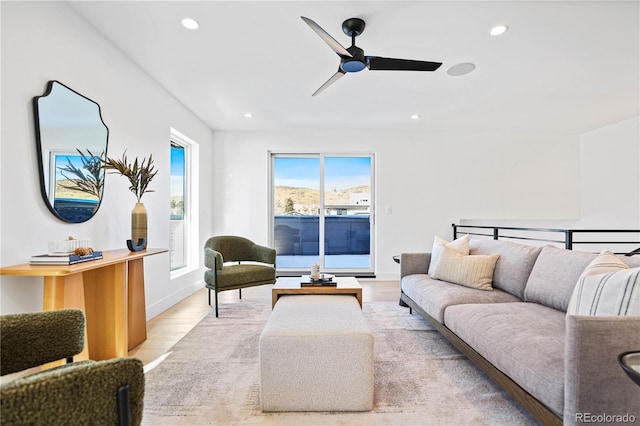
x,y
211,377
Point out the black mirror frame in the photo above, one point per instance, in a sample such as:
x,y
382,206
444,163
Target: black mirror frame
x,y
41,169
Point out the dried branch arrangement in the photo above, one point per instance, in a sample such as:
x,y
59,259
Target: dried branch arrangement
x,y
140,173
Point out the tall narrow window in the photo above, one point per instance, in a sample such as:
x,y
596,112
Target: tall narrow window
x,y
322,207
183,204
178,258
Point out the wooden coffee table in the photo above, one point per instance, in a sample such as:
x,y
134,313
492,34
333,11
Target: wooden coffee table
x,y
291,285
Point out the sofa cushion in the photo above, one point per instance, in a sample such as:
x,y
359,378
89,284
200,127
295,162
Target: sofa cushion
x,y
434,296
554,276
523,340
609,294
470,271
631,261
514,265
461,245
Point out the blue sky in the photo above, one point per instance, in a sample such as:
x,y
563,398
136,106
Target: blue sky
x,y
177,170
63,161
340,172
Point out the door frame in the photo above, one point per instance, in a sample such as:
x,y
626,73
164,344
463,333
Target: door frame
x,y
358,272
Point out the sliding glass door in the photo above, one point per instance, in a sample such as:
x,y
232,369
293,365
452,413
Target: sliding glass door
x,y
322,208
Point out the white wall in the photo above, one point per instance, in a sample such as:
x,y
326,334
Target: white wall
x,y
427,180
44,41
610,178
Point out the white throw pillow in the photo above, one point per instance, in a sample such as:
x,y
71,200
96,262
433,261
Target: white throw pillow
x,y
475,271
606,262
612,294
461,245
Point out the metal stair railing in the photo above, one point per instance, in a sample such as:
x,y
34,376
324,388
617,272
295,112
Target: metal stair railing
x,y
569,238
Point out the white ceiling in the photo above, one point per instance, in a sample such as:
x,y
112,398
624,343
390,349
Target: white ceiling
x,y
563,67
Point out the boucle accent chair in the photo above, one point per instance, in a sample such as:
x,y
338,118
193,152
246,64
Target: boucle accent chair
x,y
221,275
84,392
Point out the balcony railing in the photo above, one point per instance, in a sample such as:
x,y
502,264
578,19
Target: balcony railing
x,y
300,235
619,241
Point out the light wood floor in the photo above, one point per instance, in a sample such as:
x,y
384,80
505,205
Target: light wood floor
x,y
166,329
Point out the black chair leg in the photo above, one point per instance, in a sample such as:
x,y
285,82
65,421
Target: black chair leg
x,y
124,408
209,296
216,293
240,293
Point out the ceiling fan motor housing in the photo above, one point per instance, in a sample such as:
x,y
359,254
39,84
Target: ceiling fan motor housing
x,y
354,64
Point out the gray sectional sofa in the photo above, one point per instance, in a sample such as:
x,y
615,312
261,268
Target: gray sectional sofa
x,y
561,368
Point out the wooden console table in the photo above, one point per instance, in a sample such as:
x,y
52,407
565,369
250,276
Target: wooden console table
x,y
111,293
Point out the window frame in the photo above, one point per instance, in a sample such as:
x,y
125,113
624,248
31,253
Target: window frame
x,y
191,204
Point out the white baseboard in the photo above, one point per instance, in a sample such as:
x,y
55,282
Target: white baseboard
x,y
167,302
387,276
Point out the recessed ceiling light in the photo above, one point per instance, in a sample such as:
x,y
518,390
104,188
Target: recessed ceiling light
x,y
415,117
190,24
498,29
248,115
461,69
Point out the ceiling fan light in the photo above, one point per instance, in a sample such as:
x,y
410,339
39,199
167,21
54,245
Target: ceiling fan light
x,y
352,66
498,30
190,24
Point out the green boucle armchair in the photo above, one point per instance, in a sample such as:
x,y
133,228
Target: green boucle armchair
x,y
107,392
221,275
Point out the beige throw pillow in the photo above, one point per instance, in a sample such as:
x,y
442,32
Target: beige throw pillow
x,y
475,271
461,245
603,264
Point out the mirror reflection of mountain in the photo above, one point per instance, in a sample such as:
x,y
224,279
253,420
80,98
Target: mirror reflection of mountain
x,y
306,200
64,190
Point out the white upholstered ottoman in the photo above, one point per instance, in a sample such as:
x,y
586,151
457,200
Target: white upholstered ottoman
x,y
316,354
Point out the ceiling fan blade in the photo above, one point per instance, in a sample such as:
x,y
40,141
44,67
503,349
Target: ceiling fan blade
x,y
329,82
333,44
377,63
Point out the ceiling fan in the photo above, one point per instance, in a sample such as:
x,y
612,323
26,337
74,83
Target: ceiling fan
x,y
352,59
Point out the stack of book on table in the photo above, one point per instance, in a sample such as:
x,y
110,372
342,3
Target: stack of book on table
x,y
317,281
67,259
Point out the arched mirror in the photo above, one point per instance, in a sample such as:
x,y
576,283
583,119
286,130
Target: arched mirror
x,y
72,141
